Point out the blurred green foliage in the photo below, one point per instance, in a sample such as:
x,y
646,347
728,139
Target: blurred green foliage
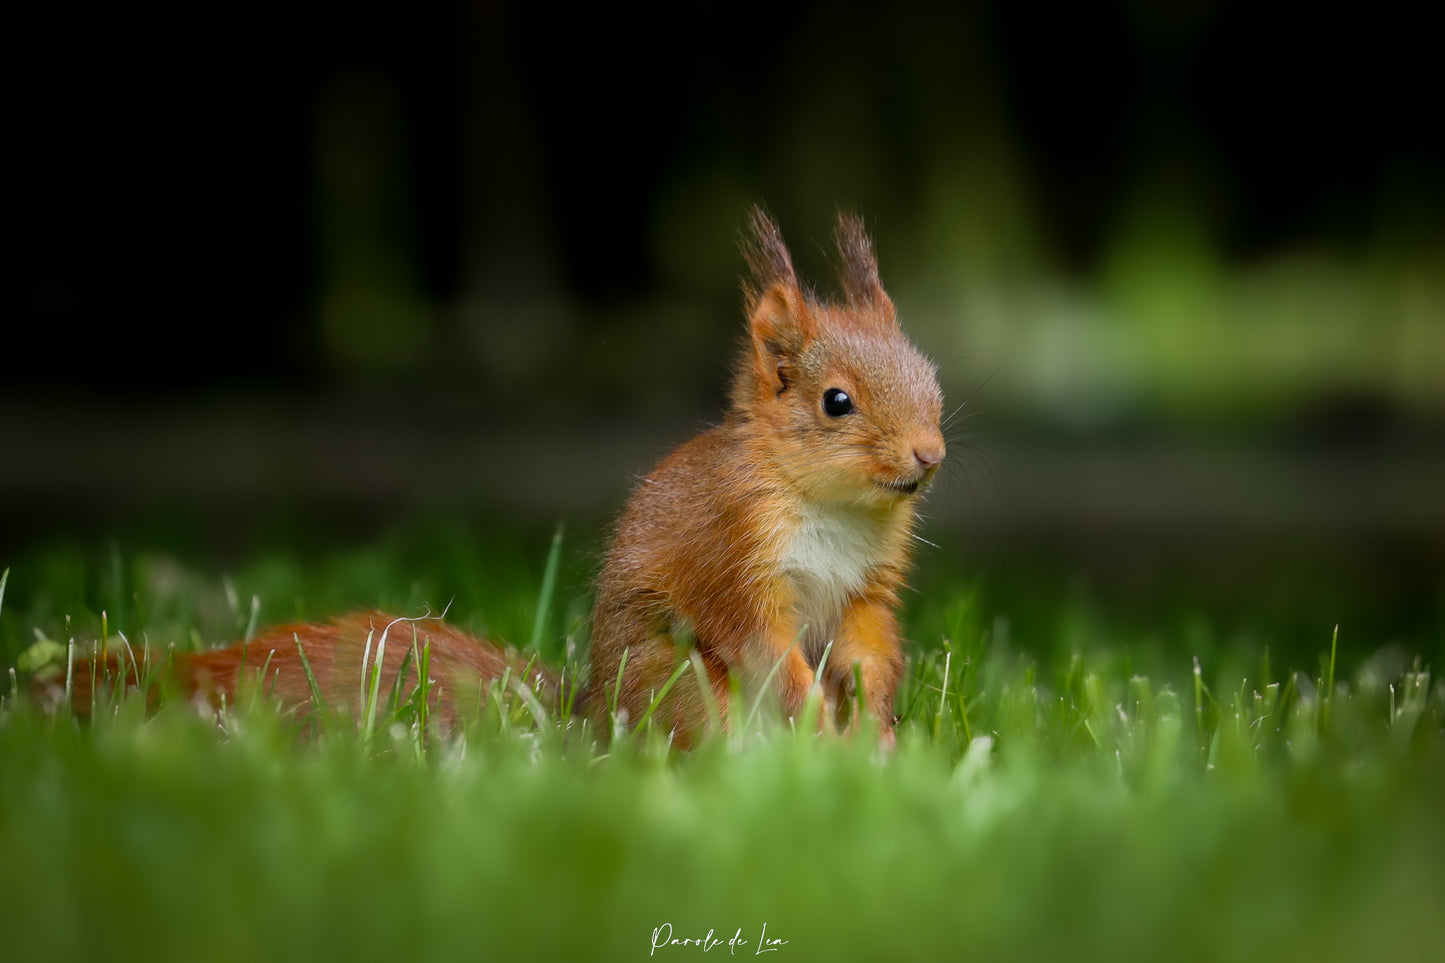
x,y
1121,213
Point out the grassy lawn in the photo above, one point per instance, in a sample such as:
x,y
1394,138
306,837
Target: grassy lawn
x,y
1104,794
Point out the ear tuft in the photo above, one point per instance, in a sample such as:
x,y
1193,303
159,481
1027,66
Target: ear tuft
x,y
769,264
858,266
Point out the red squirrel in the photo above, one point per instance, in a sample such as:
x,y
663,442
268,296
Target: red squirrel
x,y
762,543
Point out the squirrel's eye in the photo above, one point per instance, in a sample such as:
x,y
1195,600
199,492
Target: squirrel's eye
x,y
836,402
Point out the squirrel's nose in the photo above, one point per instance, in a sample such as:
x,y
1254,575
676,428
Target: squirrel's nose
x,y
928,455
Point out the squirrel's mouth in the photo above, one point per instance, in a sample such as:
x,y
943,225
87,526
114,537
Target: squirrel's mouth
x,y
908,485
902,487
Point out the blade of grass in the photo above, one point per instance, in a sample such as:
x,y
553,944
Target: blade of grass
x,y
768,682
365,666
423,688
662,694
494,695
394,700
1327,696
374,687
617,688
942,696
266,669
529,699
855,708
814,701
316,695
69,666
255,616
704,688
549,585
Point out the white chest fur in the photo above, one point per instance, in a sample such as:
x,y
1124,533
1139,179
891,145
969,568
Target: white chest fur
x,y
828,560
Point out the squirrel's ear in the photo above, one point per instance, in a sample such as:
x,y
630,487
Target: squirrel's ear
x,y
780,321
858,268
780,326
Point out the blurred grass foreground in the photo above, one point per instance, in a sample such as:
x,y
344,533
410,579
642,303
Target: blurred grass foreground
x,y
1112,798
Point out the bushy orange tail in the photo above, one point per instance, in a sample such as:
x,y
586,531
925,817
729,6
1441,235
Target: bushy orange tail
x,y
460,668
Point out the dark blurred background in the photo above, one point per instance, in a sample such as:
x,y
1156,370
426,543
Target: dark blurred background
x,y
271,271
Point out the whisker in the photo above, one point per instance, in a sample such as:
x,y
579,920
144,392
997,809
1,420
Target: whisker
x,y
977,458
952,428
948,419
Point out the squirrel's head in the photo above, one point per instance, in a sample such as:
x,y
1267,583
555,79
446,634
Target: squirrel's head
x,y
842,398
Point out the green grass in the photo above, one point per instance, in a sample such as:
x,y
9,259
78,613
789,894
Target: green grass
x,y
1097,795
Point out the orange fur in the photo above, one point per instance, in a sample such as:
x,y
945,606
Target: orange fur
x,y
726,546
756,544
341,654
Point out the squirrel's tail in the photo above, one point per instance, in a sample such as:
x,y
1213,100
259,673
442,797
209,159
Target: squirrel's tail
x,y
335,659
